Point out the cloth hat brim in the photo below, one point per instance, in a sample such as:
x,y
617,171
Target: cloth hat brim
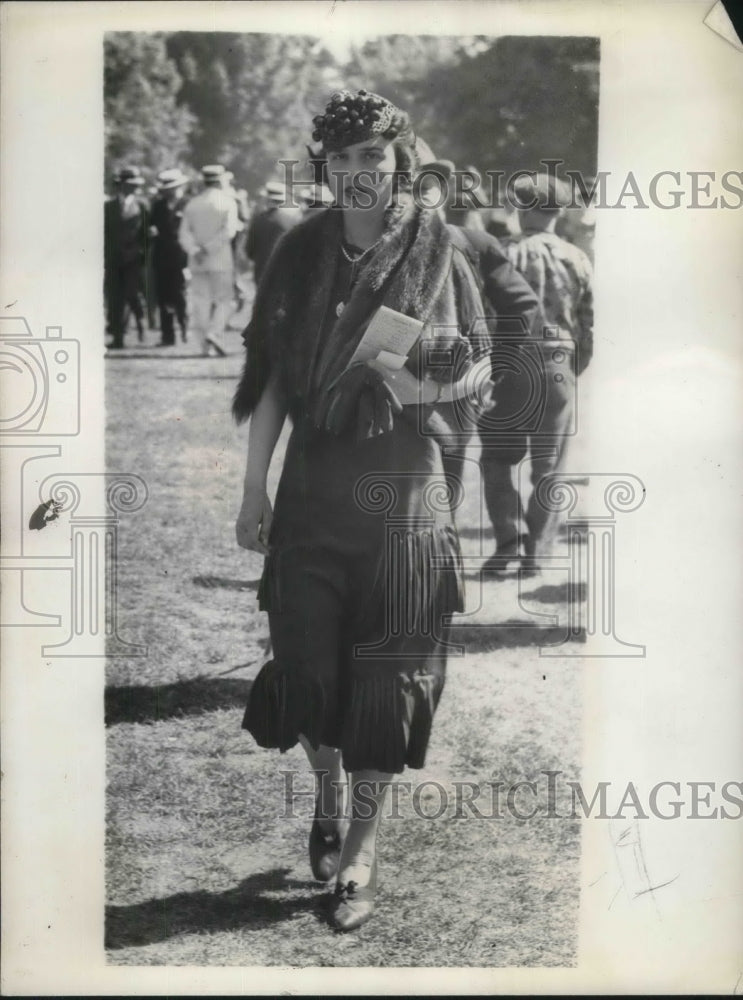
x,y
274,191
322,194
129,175
544,193
213,173
441,168
176,182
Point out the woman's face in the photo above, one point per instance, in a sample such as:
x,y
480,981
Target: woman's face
x,y
361,176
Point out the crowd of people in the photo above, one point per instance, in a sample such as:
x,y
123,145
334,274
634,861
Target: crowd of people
x,y
181,261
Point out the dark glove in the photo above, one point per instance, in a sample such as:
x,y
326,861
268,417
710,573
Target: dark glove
x,y
360,393
454,354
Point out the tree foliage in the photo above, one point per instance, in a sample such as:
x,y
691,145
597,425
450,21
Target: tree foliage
x,y
253,97
399,66
144,124
522,100
247,100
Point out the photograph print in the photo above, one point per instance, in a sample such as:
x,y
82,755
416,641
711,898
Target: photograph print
x,y
348,336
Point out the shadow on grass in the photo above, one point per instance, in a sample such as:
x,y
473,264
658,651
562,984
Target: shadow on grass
x,y
510,635
153,703
474,532
196,378
225,583
244,907
579,539
485,531
564,593
149,354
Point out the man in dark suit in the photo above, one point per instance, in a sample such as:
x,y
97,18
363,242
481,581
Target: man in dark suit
x,y
125,251
561,276
514,319
269,225
169,257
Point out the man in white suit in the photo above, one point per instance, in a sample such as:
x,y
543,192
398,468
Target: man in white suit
x,y
209,223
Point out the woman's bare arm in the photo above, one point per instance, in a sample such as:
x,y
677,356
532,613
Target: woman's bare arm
x,y
254,519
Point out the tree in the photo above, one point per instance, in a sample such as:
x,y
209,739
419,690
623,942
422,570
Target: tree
x,y
144,124
400,66
499,104
253,96
247,100
523,100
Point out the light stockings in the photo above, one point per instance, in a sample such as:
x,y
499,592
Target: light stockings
x,y
367,793
368,790
330,780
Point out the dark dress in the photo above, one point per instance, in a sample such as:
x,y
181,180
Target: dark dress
x,y
364,569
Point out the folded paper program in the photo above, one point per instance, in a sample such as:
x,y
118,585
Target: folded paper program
x,y
391,334
385,347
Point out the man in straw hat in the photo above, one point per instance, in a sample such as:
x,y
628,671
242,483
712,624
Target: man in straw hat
x,y
239,256
208,225
169,257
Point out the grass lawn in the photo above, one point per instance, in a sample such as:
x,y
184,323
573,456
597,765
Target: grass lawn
x,y
204,867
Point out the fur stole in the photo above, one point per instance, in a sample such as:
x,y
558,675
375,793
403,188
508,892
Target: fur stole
x,y
417,270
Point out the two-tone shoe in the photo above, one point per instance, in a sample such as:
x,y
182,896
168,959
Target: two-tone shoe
x,y
352,905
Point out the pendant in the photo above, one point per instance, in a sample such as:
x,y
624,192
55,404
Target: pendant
x,y
339,308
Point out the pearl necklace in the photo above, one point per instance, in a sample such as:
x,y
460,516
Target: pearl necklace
x,y
353,261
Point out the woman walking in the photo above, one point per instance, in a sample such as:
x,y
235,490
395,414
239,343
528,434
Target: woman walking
x,y
362,561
